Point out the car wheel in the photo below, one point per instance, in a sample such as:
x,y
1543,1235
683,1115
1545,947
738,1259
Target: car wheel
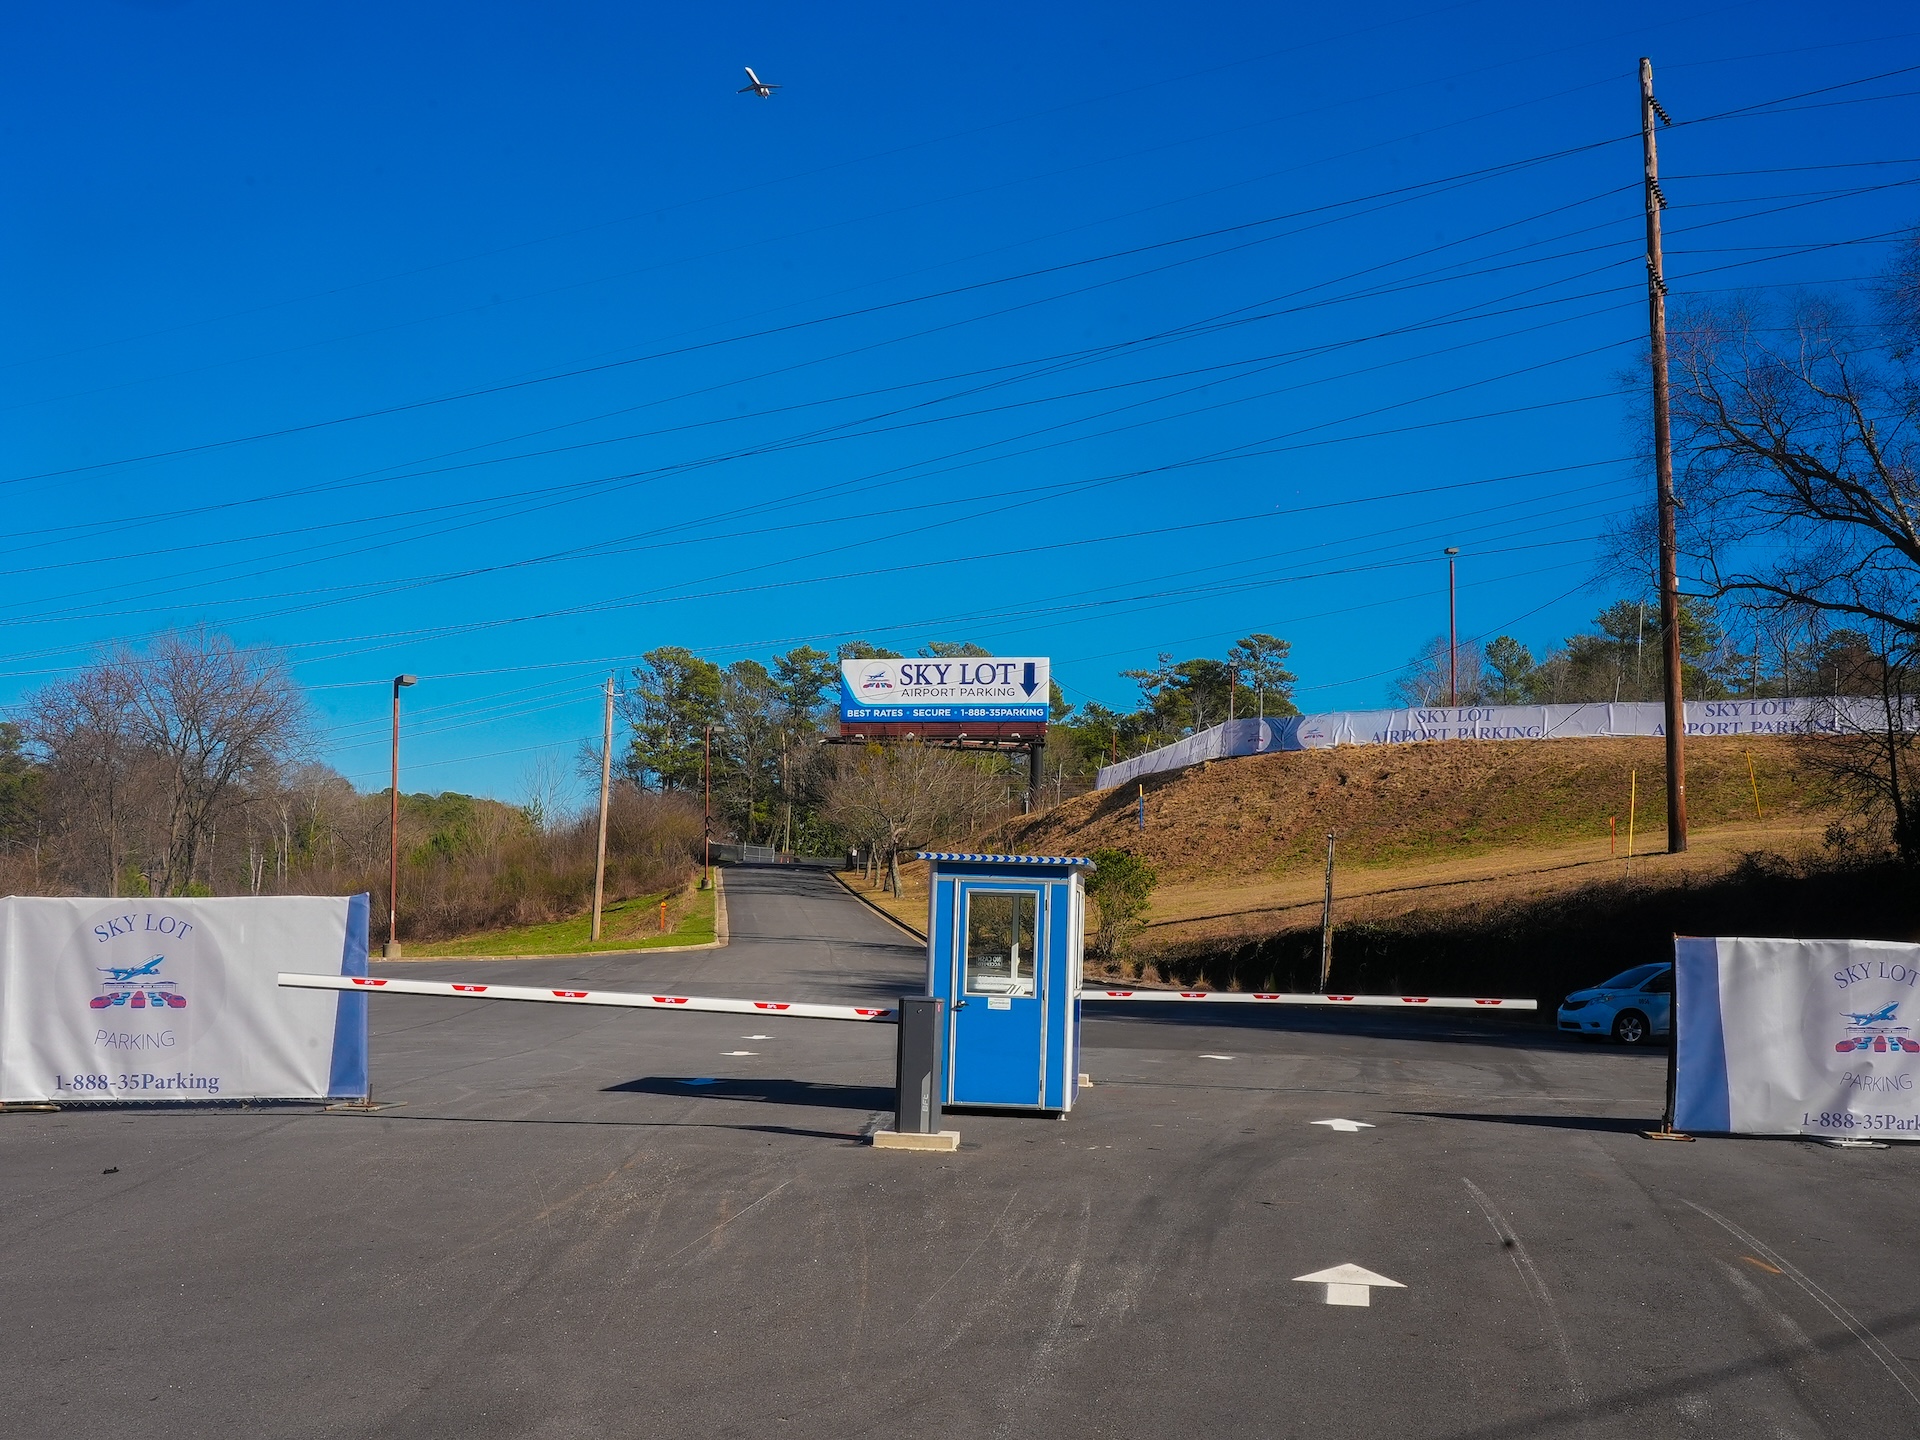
x,y
1630,1028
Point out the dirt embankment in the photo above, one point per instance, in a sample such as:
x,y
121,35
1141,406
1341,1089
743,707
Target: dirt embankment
x,y
1240,845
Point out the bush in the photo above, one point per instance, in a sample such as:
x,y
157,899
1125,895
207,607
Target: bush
x,y
1122,887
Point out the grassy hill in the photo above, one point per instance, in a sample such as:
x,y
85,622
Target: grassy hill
x,y
1410,804
1440,843
1240,844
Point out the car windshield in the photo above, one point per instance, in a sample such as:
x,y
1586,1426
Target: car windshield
x,y
1631,979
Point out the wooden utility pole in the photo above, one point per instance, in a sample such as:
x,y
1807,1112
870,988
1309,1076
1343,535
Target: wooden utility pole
x,y
706,784
606,781
1676,717
1326,924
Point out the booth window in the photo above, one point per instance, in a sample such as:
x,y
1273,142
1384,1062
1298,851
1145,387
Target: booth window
x,y
1000,930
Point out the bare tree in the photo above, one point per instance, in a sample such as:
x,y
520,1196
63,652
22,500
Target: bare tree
x,y
1799,454
1797,435
84,730
894,797
217,719
1425,680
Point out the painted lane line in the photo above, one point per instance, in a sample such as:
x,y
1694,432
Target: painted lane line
x,y
1345,1127
756,1037
738,1052
1238,997
388,986
1216,1057
1348,1284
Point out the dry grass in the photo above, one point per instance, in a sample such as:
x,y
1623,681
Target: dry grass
x,y
1240,844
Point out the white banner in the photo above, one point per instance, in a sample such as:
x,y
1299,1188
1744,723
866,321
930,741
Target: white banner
x,y
155,1000
1417,723
1797,1037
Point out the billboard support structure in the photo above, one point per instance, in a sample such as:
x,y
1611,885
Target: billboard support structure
x,y
995,703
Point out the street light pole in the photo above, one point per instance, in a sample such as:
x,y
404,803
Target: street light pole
x,y
393,827
1453,635
606,777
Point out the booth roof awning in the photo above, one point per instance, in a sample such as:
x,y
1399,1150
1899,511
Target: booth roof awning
x,y
1079,861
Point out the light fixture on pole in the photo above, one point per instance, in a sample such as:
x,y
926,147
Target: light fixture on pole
x,y
1453,635
393,827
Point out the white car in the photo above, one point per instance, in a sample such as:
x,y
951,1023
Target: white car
x,y
1633,1007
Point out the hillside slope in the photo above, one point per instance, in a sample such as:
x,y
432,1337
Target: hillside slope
x,y
1240,844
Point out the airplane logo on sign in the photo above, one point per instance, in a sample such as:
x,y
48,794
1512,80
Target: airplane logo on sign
x,y
137,987
1861,1019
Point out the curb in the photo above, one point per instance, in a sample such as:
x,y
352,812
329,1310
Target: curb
x,y
897,924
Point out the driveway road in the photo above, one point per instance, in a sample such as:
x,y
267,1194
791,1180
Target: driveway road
x,y
610,1223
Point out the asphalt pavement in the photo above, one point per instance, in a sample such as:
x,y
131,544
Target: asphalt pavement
x,y
602,1223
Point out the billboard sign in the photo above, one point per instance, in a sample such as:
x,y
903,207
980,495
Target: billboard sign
x,y
991,688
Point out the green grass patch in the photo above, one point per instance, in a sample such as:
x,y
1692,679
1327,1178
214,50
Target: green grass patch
x,y
627,925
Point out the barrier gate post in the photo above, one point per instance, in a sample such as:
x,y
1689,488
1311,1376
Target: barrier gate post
x,y
917,1108
918,1077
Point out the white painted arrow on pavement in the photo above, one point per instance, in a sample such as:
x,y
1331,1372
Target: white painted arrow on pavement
x,y
1348,1284
1345,1127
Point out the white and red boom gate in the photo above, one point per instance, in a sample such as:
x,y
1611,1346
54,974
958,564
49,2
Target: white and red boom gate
x,y
933,1063
807,1011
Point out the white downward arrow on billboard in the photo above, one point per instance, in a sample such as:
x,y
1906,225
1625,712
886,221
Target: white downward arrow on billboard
x,y
1348,1284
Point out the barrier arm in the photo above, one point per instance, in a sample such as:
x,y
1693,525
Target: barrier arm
x,y
1243,997
380,985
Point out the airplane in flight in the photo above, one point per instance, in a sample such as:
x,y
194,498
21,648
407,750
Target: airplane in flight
x,y
123,973
1883,1016
758,87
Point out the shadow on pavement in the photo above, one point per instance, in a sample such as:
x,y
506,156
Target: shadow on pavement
x,y
1611,1123
1443,1027
415,1117
771,1092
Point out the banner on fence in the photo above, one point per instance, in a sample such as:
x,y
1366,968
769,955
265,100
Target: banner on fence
x,y
1413,724
175,999
1797,1037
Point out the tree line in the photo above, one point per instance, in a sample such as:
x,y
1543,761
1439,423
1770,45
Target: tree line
x,y
1623,658
186,768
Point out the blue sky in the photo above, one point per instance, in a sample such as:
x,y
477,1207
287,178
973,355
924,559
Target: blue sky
x,y
500,344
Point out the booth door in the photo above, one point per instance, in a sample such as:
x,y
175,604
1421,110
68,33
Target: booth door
x,y
997,1046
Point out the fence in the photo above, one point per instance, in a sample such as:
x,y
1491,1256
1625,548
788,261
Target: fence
x,y
735,854
1413,724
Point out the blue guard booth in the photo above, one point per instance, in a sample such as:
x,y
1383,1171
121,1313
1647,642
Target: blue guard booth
x,y
1004,938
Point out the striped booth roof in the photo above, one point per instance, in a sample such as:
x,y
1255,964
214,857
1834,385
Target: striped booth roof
x,y
1068,861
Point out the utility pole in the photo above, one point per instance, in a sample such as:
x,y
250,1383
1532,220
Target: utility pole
x,y
400,682
706,783
606,781
1326,924
1663,469
1453,636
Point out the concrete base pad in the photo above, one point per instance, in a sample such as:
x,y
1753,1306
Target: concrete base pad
x,y
898,1140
